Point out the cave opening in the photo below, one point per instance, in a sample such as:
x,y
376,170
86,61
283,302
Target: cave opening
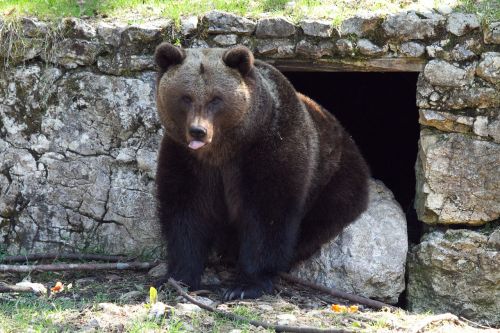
x,y
379,111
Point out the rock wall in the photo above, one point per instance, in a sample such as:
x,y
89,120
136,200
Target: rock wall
x,y
79,133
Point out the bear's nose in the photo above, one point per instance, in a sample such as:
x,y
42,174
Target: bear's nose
x,y
197,132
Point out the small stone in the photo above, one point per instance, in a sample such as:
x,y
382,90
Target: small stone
x,y
445,121
265,307
489,67
366,47
286,318
158,271
131,296
72,53
111,308
120,63
198,43
488,127
189,25
310,50
77,28
412,49
361,25
434,50
345,47
460,23
226,40
460,53
33,28
316,28
408,25
274,27
145,34
444,9
222,22
442,73
276,48
110,34
492,33
157,310
187,308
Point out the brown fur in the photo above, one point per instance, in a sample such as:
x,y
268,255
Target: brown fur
x,y
276,178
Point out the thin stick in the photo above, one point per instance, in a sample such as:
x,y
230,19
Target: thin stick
x,y
76,267
68,256
9,288
337,293
420,326
256,323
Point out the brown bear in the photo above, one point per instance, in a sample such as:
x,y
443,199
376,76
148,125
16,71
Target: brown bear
x,y
247,166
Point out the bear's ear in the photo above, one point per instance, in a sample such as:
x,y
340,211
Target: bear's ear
x,y
240,58
167,55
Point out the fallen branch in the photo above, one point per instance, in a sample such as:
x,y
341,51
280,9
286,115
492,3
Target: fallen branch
x,y
421,325
337,293
76,267
63,256
256,323
9,288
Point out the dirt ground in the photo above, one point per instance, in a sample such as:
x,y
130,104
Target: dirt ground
x,y
119,302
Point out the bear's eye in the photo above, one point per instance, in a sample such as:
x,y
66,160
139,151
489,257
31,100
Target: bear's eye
x,y
186,99
215,101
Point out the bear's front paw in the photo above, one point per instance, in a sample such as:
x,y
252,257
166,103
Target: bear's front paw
x,y
253,290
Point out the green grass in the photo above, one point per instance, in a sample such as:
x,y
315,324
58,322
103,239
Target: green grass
x,y
133,10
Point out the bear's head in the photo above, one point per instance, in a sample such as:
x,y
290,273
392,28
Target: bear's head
x,y
204,96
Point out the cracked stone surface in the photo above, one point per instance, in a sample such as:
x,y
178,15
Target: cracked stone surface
x,y
457,271
442,73
356,261
409,26
65,184
458,179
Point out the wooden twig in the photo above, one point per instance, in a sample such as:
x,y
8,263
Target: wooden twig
x,y
337,293
63,256
256,323
9,288
473,323
76,267
422,324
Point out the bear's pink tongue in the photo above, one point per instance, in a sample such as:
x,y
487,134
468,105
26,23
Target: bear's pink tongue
x,y
196,144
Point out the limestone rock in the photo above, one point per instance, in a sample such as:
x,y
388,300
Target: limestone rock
x,y
276,48
446,121
360,25
408,26
460,23
122,64
369,257
226,40
457,271
110,33
367,48
345,47
316,28
189,25
489,67
492,33
73,27
33,28
313,50
442,73
143,38
222,22
274,27
457,179
71,53
412,49
71,193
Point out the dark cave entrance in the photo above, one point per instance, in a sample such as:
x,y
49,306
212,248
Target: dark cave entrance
x,y
379,110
